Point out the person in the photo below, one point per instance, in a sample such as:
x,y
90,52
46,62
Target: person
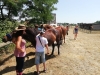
x,y
36,27
41,43
90,28
20,51
67,28
75,32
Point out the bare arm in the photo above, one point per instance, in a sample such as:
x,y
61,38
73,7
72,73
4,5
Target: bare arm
x,y
47,48
74,31
18,43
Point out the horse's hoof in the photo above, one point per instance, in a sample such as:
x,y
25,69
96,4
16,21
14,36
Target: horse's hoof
x,y
51,54
58,53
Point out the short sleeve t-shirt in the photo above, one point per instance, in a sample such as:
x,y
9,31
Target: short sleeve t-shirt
x,y
39,47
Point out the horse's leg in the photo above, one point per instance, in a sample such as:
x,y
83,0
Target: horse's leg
x,y
58,45
53,46
61,38
64,38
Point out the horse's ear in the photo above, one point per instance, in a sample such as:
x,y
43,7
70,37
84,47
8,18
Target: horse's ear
x,y
42,26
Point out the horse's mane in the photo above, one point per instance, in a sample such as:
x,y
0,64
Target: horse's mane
x,y
47,26
30,34
31,31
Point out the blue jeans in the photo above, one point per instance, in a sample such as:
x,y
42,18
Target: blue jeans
x,y
39,55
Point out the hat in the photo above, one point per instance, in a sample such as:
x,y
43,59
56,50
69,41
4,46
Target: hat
x,y
36,26
76,25
42,32
20,27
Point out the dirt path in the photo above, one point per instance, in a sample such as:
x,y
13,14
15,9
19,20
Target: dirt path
x,y
78,57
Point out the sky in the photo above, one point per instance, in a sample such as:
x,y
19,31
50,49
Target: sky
x,y
77,11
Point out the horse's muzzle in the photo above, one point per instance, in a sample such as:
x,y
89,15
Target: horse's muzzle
x,y
4,40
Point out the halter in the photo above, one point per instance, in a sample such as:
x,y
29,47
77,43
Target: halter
x,y
9,36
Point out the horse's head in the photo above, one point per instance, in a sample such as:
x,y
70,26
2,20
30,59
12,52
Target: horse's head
x,y
29,35
47,26
7,37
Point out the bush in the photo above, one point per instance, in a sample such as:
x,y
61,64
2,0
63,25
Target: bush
x,y
6,27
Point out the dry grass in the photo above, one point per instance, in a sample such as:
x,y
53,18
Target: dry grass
x,y
78,57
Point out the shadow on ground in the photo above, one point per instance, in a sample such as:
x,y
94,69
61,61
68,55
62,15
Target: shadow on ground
x,y
28,63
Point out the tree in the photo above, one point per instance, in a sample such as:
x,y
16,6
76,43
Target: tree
x,y
12,7
97,22
40,10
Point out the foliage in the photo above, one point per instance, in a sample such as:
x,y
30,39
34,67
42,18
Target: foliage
x,y
6,26
64,24
39,10
97,22
12,7
9,48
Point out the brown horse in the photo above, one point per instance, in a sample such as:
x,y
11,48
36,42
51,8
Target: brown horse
x,y
30,34
56,30
62,29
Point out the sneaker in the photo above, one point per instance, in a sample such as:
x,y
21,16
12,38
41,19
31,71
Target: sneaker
x,y
36,73
44,70
20,73
17,72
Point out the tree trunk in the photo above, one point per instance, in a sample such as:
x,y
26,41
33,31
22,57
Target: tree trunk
x,y
9,13
2,16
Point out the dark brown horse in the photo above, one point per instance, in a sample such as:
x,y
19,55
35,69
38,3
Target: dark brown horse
x,y
30,34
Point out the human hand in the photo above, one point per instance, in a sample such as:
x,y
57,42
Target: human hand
x,y
23,50
47,51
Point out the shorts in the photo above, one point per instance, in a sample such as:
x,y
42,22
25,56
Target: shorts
x,y
75,32
38,56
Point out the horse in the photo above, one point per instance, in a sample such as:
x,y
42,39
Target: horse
x,y
61,28
64,31
30,34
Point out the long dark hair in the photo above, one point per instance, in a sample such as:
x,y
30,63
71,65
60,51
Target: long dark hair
x,y
18,33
